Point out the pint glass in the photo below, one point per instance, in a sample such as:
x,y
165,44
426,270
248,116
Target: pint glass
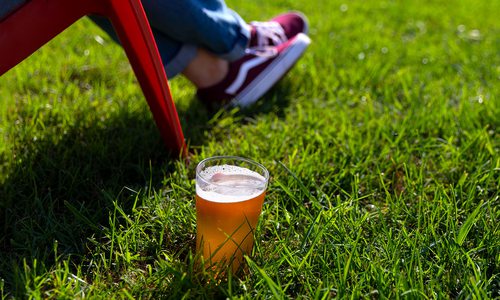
x,y
229,195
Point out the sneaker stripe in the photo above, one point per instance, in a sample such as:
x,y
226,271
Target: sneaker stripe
x,y
243,72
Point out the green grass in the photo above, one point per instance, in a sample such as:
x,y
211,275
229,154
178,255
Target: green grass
x,y
383,147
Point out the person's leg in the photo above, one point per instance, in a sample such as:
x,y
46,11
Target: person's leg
x,y
175,55
207,24
206,69
214,48
182,27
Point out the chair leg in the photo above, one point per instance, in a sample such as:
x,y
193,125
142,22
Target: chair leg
x,y
131,25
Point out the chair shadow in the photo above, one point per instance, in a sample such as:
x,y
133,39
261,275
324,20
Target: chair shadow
x,y
81,169
87,168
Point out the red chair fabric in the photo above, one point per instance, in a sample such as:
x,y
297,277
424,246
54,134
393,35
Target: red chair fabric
x,y
35,23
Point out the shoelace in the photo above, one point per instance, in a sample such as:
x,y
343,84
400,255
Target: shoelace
x,y
269,31
263,51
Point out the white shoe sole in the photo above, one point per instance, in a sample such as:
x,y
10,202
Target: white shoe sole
x,y
272,73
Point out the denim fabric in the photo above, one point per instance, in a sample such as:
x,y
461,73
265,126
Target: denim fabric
x,y
8,6
181,27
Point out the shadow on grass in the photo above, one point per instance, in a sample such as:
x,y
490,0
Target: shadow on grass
x,y
85,169
76,170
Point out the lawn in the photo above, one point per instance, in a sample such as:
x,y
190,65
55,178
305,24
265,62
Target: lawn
x,y
382,144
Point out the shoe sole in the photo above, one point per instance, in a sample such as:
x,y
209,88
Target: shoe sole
x,y
272,73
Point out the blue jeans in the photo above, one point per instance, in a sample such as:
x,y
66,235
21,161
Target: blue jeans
x,y
8,6
180,27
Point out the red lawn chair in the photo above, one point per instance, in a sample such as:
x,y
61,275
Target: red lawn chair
x,y
36,22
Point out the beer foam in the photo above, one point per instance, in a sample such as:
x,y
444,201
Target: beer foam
x,y
227,183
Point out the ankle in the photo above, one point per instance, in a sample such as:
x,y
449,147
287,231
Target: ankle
x,y
206,69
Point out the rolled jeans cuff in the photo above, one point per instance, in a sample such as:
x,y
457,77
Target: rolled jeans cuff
x,y
239,48
180,61
188,52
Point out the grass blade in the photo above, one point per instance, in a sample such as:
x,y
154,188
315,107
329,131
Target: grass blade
x,y
467,225
273,286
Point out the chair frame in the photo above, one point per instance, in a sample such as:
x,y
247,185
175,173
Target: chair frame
x,y
36,22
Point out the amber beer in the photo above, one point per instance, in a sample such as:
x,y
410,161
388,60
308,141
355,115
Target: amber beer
x,y
229,196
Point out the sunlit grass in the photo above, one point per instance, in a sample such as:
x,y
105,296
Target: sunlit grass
x,y
382,144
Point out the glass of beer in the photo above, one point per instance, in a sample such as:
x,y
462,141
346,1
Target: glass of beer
x,y
229,195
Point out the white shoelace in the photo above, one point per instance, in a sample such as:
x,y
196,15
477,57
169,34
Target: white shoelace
x,y
267,31
263,51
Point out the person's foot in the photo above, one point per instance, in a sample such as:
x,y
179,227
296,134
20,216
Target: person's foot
x,y
277,30
250,77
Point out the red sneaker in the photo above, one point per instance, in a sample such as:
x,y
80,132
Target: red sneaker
x,y
250,77
277,30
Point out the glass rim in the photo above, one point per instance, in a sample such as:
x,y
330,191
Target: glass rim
x,y
234,158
